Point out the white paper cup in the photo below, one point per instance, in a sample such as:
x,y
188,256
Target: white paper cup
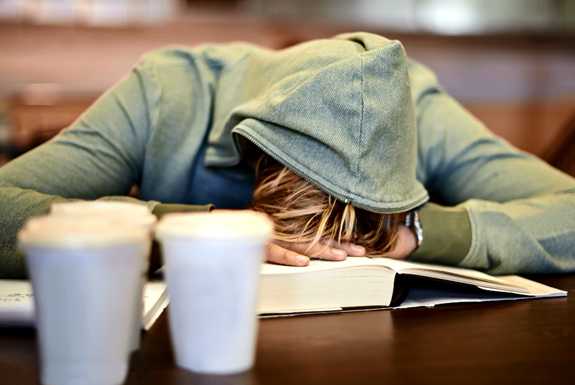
x,y
212,263
85,278
126,215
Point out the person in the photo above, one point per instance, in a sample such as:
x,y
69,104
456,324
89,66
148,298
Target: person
x,y
351,148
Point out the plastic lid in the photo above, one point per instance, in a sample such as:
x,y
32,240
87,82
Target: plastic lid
x,y
122,212
219,224
99,207
62,231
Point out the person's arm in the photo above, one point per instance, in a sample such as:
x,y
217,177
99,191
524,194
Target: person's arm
x,y
99,157
505,211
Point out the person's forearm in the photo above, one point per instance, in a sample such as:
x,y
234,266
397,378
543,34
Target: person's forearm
x,y
17,205
521,211
447,235
99,155
534,235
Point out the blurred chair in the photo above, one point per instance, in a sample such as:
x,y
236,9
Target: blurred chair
x,y
562,153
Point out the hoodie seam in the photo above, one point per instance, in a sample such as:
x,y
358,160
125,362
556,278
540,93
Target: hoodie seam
x,y
471,257
312,176
359,156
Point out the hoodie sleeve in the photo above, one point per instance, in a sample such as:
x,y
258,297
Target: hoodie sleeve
x,y
519,211
100,156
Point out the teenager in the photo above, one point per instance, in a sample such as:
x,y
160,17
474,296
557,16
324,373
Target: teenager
x,y
351,148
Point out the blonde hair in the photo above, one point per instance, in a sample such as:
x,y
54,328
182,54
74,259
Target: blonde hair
x,y
302,213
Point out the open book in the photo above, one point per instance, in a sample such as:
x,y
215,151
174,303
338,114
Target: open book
x,y
324,286
17,304
363,283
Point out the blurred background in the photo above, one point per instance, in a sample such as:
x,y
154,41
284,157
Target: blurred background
x,y
512,62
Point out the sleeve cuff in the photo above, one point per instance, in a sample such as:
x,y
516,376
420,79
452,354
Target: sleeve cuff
x,y
167,208
447,235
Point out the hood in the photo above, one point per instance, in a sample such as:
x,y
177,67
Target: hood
x,y
339,113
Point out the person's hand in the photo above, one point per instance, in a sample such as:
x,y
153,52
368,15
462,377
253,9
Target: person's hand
x,y
296,254
405,245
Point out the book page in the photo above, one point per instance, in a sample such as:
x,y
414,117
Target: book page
x,y
455,274
320,265
449,273
399,266
535,289
406,266
17,303
324,286
155,301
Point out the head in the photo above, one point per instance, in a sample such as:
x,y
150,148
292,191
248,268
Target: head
x,y
302,213
339,113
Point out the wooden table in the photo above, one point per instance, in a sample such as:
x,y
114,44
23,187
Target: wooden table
x,y
524,342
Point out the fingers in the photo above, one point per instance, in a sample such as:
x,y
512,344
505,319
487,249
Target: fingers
x,y
298,254
351,249
320,251
283,256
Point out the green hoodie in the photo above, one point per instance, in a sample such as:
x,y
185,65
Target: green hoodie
x,y
350,114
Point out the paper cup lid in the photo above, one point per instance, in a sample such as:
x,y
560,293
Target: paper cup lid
x,y
99,207
219,224
122,212
60,231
